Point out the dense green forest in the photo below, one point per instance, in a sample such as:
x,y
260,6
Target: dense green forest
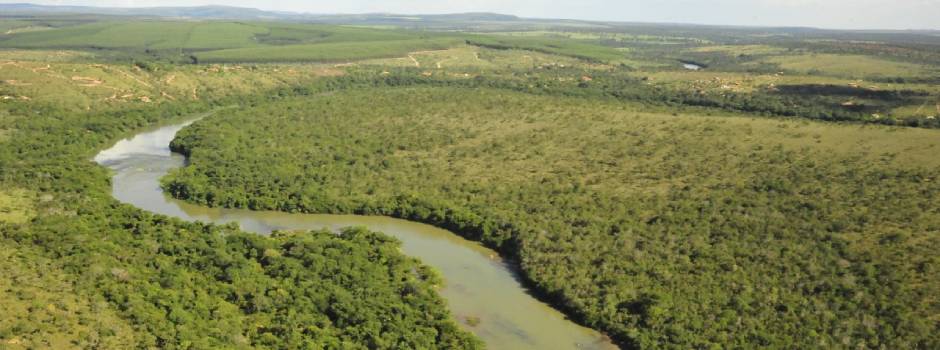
x,y
116,277
665,231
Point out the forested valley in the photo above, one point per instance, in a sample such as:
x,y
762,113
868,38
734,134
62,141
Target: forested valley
x,y
86,272
666,231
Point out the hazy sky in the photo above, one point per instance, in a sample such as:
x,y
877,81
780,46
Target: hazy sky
x,y
854,14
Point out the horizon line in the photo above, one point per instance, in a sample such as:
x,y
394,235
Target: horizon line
x,y
598,21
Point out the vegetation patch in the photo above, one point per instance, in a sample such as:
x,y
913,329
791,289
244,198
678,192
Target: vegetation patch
x,y
182,285
54,315
633,194
107,86
44,55
738,50
328,52
16,205
851,66
572,48
666,231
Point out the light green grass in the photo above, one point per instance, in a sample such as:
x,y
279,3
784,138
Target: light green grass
x,y
848,65
108,35
44,55
467,59
80,87
8,25
223,35
742,49
328,52
255,41
598,35
16,206
567,47
286,33
161,35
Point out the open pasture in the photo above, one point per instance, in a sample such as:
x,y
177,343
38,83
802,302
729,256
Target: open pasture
x,y
245,41
327,52
850,66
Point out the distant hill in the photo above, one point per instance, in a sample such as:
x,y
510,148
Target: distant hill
x,y
472,21
472,16
205,12
230,12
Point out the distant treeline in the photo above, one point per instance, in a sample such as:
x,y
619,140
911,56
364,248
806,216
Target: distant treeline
x,y
818,102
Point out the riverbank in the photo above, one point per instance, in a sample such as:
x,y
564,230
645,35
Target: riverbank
x,y
483,292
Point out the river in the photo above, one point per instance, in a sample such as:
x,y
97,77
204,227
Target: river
x,y
478,284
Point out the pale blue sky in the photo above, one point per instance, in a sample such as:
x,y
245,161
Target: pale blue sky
x,y
849,14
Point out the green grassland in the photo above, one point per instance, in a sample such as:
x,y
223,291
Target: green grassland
x,y
281,33
742,49
16,206
603,35
326,52
107,35
32,79
246,41
8,27
46,56
850,66
468,59
222,35
585,50
667,231
755,66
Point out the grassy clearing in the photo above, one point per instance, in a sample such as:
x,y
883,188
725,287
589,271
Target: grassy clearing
x,y
328,52
284,33
78,86
597,35
752,81
738,82
223,35
158,35
929,107
849,66
742,49
899,147
26,29
473,59
573,48
47,56
144,34
7,25
16,206
286,41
